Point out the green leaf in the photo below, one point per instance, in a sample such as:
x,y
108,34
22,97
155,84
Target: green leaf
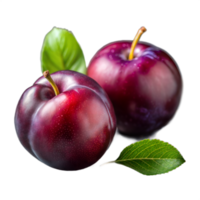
x,y
61,51
151,157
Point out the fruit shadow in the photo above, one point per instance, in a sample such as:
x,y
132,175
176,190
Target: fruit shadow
x,y
139,136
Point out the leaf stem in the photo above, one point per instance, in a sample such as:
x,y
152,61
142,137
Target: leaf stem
x,y
54,86
105,164
135,41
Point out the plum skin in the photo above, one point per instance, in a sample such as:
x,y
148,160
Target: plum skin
x,y
70,131
145,91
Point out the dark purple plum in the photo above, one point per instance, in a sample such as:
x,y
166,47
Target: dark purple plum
x,y
145,89
70,130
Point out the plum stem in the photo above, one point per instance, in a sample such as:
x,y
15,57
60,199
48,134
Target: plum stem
x,y
54,86
135,41
107,163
